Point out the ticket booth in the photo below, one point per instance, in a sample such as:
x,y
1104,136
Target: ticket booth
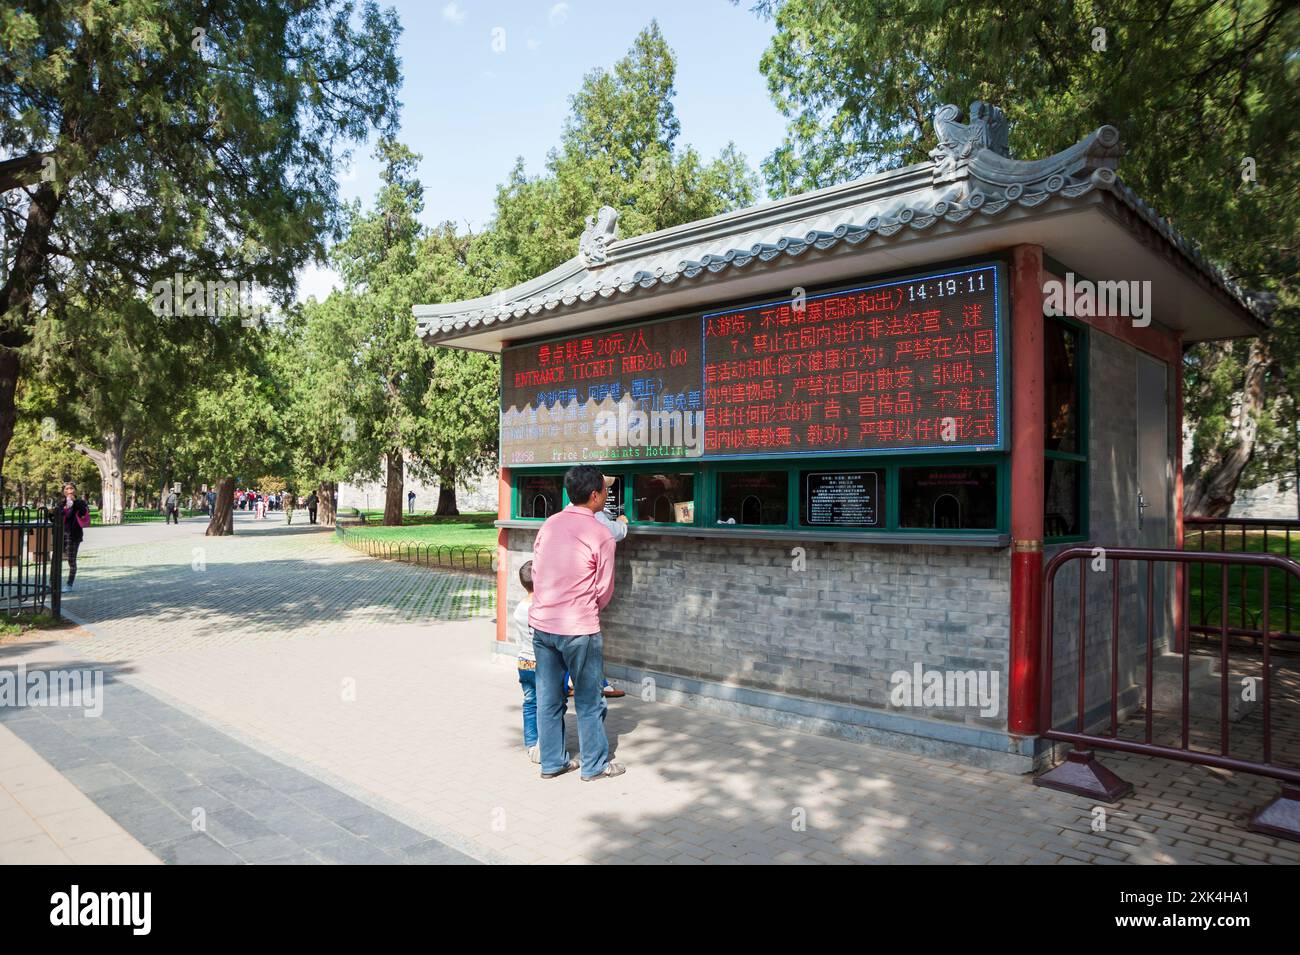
x,y
846,426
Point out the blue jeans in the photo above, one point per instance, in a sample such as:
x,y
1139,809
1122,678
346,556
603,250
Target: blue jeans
x,y
583,656
528,680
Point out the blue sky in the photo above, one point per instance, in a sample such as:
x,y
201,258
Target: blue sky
x,y
470,109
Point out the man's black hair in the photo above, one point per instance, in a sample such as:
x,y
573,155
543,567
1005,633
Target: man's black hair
x,y
582,481
526,575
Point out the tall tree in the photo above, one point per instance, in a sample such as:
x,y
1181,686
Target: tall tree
x,y
42,456
323,418
376,260
148,138
233,428
459,407
618,148
1196,89
120,374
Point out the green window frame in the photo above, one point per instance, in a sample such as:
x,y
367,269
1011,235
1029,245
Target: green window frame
x,y
707,478
516,500
1080,457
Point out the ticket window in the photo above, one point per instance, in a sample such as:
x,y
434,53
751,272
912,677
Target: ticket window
x,y
540,496
753,497
667,498
948,498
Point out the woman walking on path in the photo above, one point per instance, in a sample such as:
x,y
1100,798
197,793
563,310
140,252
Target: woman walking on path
x,y
75,515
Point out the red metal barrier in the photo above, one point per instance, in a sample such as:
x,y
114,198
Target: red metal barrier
x,y
1081,773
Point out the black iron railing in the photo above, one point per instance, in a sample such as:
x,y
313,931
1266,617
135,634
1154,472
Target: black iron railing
x,y
31,561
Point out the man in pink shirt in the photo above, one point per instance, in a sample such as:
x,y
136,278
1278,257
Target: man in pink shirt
x,y
573,580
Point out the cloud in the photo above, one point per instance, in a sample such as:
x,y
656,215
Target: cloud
x,y
533,43
559,13
453,13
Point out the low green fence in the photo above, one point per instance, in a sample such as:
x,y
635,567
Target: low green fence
x,y
140,515
472,558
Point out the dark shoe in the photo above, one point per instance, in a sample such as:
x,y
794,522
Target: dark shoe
x,y
569,767
613,692
611,770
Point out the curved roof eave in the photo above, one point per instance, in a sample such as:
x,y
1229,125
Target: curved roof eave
x,y
973,187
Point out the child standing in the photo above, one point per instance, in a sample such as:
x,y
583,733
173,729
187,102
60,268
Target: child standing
x,y
527,662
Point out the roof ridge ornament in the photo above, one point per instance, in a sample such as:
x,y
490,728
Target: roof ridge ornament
x,y
602,229
959,142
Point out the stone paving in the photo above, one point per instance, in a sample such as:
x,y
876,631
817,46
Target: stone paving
x,y
46,820
399,705
152,589
191,794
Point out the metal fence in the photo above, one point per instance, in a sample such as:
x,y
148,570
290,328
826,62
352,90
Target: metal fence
x,y
473,558
1239,592
1259,753
143,516
31,560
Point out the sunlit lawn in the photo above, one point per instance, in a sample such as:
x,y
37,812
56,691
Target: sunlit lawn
x,y
1245,586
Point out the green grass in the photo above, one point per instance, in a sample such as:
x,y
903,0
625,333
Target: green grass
x,y
1245,588
13,625
465,530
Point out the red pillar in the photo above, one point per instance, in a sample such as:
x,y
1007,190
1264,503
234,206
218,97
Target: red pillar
x,y
503,546
503,551
1027,442
1180,570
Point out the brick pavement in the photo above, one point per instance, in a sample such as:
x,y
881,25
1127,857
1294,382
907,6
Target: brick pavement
x,y
399,705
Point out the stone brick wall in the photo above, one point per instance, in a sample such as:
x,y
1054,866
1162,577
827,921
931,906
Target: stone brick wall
x,y
735,612
475,493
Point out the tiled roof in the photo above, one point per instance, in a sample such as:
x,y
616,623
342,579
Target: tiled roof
x,y
966,182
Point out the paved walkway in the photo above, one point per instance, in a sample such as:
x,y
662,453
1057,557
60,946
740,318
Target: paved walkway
x,y
321,706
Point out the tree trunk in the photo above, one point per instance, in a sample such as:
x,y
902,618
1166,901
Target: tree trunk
x,y
393,490
325,502
111,481
447,494
8,406
1211,486
222,521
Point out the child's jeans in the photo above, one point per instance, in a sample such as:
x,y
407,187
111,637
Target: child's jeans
x,y
528,680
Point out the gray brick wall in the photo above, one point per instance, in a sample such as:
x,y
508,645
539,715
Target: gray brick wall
x,y
736,612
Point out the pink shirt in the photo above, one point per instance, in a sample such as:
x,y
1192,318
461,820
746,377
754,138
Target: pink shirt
x,y
573,573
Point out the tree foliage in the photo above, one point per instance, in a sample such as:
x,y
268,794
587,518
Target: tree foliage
x,y
145,138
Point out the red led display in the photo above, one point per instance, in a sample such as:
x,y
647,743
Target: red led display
x,y
912,364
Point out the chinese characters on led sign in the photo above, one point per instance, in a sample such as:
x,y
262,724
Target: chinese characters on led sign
x,y
908,365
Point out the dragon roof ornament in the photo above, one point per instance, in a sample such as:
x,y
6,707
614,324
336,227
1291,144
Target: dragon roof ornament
x,y
958,142
602,229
